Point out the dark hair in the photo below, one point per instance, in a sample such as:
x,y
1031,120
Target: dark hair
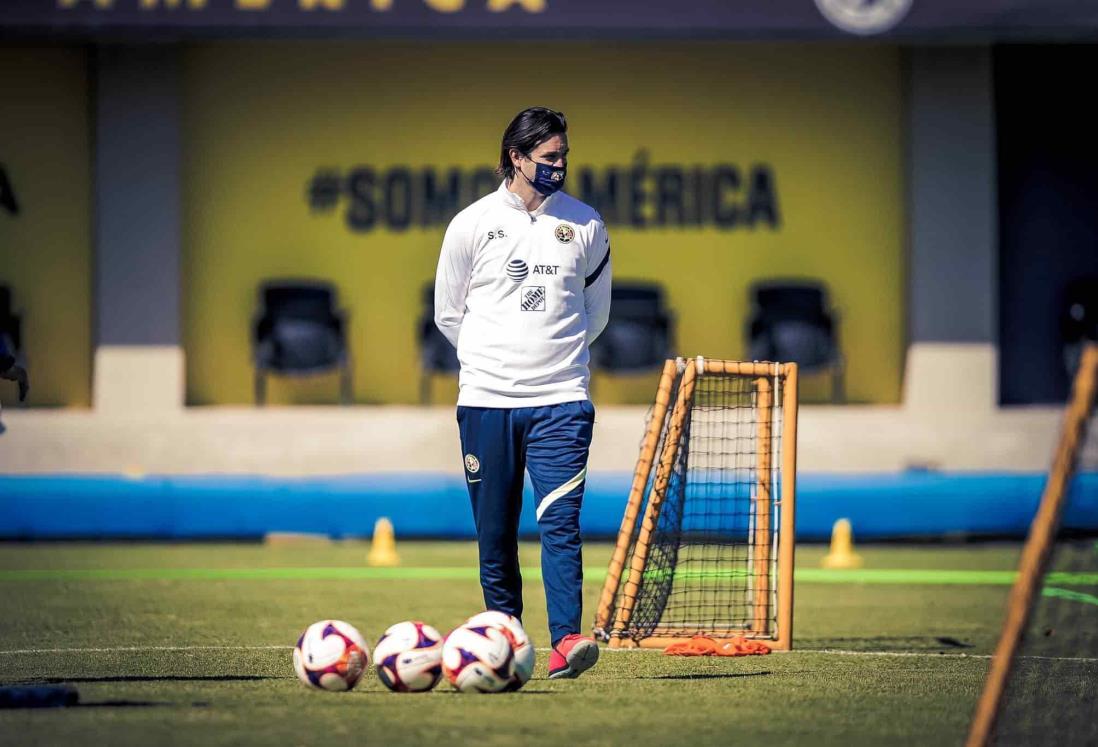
x,y
529,129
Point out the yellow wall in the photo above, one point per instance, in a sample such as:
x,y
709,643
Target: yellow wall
x,y
45,253
261,118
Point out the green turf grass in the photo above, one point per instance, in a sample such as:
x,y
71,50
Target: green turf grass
x,y
142,645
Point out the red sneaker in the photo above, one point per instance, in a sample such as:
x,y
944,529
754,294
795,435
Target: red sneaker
x,y
572,656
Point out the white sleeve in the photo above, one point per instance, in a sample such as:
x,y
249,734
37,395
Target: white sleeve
x,y
596,291
455,266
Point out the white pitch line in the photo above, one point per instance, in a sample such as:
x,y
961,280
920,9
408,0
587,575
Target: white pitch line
x,y
843,652
934,654
117,649
829,651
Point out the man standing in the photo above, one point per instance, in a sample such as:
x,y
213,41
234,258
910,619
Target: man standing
x,y
523,287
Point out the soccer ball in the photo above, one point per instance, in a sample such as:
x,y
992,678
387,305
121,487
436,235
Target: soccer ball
x,y
408,657
478,659
331,655
520,643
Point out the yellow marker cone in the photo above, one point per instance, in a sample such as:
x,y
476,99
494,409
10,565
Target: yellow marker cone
x,y
842,553
383,545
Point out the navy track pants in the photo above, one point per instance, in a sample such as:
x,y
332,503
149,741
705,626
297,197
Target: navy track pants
x,y
551,442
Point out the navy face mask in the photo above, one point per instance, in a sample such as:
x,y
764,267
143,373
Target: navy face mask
x,y
547,179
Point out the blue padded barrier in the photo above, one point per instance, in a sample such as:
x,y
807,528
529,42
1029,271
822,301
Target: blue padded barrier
x,y
880,506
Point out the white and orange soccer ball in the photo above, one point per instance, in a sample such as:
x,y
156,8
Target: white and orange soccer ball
x,y
331,655
520,643
408,658
478,659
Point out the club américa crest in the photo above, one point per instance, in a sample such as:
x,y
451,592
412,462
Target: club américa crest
x,y
564,233
472,463
864,17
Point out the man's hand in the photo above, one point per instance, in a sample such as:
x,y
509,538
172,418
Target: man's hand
x,y
12,372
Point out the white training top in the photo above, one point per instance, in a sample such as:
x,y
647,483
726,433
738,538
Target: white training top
x,y
521,295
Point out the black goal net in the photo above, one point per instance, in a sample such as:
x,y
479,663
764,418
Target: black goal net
x,y
1042,683
704,552
1051,696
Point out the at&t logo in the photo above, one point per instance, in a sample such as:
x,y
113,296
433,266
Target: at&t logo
x,y
517,270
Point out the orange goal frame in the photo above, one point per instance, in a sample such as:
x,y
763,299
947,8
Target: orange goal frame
x,y
611,622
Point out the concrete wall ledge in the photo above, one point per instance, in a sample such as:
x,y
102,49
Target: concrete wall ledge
x,y
386,439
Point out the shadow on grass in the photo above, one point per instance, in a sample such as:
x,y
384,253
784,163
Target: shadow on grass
x,y
102,704
711,676
96,704
524,691
153,678
914,644
126,704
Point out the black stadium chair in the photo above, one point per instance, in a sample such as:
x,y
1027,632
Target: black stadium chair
x,y
299,332
640,333
12,361
791,323
1078,320
10,324
436,354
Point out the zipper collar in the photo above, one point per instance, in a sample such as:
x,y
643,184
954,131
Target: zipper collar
x,y
513,200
